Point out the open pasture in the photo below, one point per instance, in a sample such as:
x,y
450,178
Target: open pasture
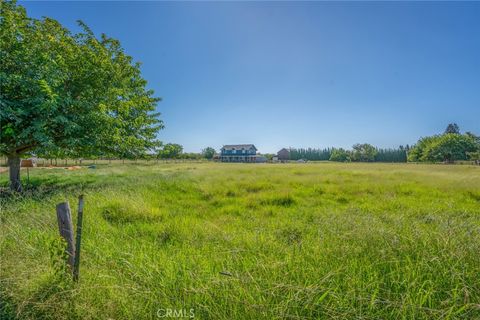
x,y
248,241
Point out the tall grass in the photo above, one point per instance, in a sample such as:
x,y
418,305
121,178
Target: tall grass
x,y
234,241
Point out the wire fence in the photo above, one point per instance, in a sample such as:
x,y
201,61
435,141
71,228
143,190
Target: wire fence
x,y
87,162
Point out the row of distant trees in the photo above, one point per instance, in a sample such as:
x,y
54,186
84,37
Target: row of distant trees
x,y
360,152
162,151
447,147
363,152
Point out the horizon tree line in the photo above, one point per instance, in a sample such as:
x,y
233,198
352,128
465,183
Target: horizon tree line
x,y
448,147
360,152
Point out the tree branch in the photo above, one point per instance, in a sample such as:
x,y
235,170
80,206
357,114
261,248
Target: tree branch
x,y
24,148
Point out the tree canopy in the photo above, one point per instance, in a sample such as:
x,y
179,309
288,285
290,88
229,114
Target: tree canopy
x,y
340,155
69,94
208,152
170,151
447,147
364,152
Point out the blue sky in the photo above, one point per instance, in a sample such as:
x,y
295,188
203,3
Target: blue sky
x,y
299,74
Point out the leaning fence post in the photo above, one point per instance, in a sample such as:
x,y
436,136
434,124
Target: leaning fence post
x,y
65,227
78,240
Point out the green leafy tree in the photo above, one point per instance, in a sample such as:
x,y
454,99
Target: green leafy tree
x,y
446,147
364,152
449,147
208,153
73,94
340,155
415,154
474,137
474,156
171,151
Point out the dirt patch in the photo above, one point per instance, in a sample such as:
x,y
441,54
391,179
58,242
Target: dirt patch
x,y
73,168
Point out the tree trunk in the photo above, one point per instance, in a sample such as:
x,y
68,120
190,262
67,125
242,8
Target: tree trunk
x,y
14,162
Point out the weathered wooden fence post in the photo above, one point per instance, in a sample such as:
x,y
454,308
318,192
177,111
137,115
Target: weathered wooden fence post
x,y
65,227
78,240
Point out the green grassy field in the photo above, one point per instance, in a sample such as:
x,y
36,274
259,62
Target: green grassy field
x,y
239,241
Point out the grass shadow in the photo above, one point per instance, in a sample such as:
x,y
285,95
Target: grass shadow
x,y
53,296
7,307
45,188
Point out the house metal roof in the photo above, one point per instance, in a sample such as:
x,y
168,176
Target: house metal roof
x,y
238,146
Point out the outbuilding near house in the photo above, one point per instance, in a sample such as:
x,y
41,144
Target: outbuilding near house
x,y
283,155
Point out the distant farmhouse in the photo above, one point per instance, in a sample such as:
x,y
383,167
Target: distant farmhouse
x,y
283,155
238,153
